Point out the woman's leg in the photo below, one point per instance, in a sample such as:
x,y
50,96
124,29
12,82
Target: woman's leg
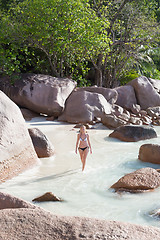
x,y
84,156
81,155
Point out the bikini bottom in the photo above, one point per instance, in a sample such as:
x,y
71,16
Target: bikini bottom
x,y
83,148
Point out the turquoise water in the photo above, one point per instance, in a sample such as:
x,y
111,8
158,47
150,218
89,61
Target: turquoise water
x,y
87,193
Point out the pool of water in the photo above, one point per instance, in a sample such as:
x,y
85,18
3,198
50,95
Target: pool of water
x,y
87,193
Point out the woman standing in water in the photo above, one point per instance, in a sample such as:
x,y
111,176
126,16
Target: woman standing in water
x,y
84,145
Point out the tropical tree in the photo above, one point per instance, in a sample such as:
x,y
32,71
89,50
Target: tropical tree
x,y
133,26
65,38
66,33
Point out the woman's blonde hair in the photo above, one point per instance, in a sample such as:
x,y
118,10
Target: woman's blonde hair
x,y
82,127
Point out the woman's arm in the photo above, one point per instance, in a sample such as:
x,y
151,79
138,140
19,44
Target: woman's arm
x,y
78,136
89,143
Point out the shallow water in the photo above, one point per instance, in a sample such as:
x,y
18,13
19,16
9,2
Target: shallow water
x,y
87,193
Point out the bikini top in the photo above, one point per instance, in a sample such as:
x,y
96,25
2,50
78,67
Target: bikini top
x,y
85,139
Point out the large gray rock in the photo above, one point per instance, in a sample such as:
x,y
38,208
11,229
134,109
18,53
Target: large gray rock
x,y
39,93
126,97
23,224
150,153
42,145
142,180
16,148
110,95
9,201
147,95
155,83
85,107
133,133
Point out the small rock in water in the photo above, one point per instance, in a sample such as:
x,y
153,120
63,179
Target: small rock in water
x,y
155,213
51,118
48,196
28,114
139,181
150,153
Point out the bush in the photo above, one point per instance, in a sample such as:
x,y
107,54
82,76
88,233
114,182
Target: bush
x,y
129,76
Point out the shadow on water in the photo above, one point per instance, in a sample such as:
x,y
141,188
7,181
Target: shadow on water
x,y
56,176
46,178
110,139
137,164
43,124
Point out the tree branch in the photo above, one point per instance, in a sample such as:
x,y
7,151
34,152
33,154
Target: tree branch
x,y
119,42
116,15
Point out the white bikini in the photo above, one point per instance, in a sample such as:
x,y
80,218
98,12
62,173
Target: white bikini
x,y
85,140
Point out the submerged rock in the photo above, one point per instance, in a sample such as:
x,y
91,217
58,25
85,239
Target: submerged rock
x,y
150,153
16,148
21,224
155,214
48,196
132,133
41,143
142,180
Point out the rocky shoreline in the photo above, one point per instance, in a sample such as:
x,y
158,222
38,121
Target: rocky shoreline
x,y
137,103
21,220
125,109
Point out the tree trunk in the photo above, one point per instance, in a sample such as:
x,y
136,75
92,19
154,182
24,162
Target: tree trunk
x,y
98,77
98,71
54,71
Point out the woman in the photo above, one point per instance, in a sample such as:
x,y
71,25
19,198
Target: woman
x,y
84,145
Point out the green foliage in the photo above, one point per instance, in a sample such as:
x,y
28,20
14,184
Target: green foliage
x,y
149,70
133,25
5,5
60,37
129,76
147,62
158,14
79,75
63,33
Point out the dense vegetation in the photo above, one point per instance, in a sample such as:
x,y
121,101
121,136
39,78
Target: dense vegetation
x,y
103,42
